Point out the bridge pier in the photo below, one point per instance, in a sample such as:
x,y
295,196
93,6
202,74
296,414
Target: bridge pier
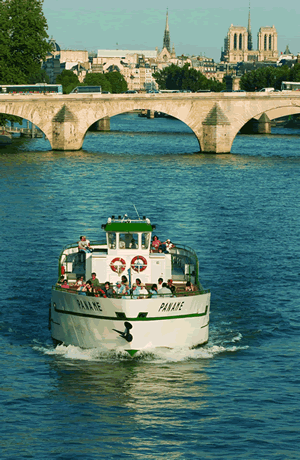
x,y
215,132
65,133
101,125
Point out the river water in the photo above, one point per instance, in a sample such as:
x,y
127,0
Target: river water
x,y
235,398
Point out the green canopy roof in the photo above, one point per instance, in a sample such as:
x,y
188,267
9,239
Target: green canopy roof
x,y
131,227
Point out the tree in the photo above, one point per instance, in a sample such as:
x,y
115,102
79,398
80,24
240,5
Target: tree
x,y
39,77
117,81
98,79
23,39
269,77
184,78
68,80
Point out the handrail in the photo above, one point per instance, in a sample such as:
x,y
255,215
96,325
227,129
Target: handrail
x,y
132,296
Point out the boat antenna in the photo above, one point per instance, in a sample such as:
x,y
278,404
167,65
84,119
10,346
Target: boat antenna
x,y
136,211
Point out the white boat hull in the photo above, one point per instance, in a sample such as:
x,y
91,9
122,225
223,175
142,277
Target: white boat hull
x,y
131,325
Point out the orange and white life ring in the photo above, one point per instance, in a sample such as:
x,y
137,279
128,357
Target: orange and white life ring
x,y
118,265
138,264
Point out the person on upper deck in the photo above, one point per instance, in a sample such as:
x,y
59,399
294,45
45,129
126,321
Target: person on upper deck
x,y
164,291
84,245
108,291
155,243
61,279
168,245
160,283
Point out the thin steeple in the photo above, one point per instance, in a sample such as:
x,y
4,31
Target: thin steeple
x,y
249,31
167,41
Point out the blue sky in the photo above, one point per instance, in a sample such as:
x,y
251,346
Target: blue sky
x,y
194,28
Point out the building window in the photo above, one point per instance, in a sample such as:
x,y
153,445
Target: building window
x,y
265,42
235,41
270,42
240,41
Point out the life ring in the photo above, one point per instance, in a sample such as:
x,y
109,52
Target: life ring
x,y
136,263
118,267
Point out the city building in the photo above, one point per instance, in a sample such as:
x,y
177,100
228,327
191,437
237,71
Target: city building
x,y
238,46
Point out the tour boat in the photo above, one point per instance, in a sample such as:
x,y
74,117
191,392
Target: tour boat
x,y
127,321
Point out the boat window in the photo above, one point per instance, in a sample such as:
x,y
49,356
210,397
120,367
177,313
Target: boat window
x,y
112,240
128,241
145,240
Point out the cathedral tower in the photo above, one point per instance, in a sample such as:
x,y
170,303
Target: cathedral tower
x,y
167,41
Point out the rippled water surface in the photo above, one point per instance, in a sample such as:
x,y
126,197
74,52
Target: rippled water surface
x,y
235,398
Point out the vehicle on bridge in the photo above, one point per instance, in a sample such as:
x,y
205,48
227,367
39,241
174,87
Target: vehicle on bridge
x,y
290,86
38,88
87,89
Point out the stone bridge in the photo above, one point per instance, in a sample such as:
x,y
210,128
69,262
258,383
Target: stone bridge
x,y
215,118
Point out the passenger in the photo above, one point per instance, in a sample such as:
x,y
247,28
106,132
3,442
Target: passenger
x,y
153,291
160,282
143,291
119,288
164,291
133,244
79,281
168,245
65,284
94,281
171,286
88,289
61,280
81,289
125,286
108,292
138,282
135,291
155,243
189,286
124,279
84,245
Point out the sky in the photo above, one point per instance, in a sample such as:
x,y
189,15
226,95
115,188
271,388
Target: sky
x,y
195,29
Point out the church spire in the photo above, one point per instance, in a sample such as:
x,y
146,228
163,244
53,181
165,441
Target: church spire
x,y
249,30
167,41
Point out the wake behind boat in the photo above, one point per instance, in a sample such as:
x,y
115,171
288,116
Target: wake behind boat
x,y
132,315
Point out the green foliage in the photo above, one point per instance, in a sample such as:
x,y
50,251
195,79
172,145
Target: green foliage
x,y
23,41
117,81
185,78
39,77
68,80
265,77
98,79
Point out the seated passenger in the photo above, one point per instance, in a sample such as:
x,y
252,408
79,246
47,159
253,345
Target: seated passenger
x,y
171,286
189,286
160,283
81,289
135,291
88,289
61,280
65,284
153,291
164,291
84,245
79,281
133,244
143,291
94,281
119,288
108,292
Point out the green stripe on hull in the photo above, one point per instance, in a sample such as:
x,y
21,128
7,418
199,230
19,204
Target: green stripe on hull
x,y
126,318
